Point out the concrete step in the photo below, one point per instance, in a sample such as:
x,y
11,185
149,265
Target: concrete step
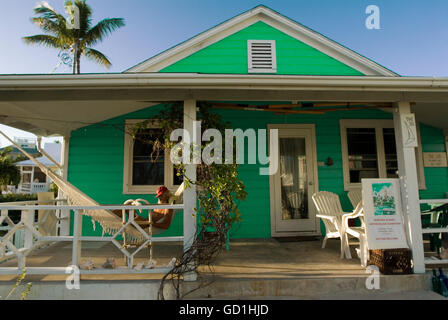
x,y
408,295
311,287
349,287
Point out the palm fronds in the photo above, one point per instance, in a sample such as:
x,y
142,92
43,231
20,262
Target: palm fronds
x,y
62,36
102,29
44,40
97,56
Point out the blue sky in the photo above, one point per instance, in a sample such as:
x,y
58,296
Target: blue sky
x,y
412,41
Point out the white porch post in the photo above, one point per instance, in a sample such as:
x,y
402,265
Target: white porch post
x,y
32,179
64,215
28,217
190,192
19,187
77,233
407,169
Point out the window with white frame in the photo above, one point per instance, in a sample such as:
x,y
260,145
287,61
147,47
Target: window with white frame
x,y
369,151
145,166
261,56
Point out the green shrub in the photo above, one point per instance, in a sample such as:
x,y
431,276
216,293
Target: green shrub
x,y
13,197
54,188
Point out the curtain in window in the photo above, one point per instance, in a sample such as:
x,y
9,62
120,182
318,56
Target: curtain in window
x,y
293,178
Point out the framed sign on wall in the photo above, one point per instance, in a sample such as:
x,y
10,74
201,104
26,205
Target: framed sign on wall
x,y
409,131
435,159
383,214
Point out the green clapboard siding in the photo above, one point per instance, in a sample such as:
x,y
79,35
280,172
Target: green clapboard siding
x,y
96,164
229,55
96,160
433,140
96,152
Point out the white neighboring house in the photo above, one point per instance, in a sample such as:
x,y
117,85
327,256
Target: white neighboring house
x,y
33,179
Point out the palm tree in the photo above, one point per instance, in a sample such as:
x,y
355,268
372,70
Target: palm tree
x,y
60,35
9,172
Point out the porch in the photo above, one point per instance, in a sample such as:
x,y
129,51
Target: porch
x,y
120,96
250,269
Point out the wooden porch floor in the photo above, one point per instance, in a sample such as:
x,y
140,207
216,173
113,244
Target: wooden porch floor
x,y
246,259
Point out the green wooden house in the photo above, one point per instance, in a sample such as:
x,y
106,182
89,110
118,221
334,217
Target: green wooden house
x,y
342,124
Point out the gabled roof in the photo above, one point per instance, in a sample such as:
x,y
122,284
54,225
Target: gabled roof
x,y
53,150
274,19
14,150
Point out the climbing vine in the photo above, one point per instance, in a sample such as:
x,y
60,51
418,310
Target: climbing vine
x,y
219,190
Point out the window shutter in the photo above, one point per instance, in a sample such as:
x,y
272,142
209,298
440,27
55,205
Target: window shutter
x,y
261,56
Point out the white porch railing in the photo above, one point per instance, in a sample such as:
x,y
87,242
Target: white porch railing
x,y
25,188
32,238
18,237
39,187
11,189
34,187
433,260
17,240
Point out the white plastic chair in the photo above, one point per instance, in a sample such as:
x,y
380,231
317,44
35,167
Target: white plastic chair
x,y
357,232
330,211
355,197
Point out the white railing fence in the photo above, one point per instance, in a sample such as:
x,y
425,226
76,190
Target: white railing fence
x,y
25,188
11,189
34,187
32,238
17,238
39,187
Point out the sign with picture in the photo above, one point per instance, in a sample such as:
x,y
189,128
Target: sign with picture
x,y
383,214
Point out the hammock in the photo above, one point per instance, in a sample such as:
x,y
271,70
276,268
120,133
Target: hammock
x,y
110,222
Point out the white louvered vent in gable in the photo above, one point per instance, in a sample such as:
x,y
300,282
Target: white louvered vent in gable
x,y
261,56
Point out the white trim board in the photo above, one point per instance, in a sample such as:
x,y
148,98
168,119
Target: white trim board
x,y
272,184
128,187
275,20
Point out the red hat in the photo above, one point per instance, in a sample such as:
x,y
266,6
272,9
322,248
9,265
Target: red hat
x,y
161,190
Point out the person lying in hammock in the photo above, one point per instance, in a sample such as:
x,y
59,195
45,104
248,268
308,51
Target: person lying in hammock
x,y
161,218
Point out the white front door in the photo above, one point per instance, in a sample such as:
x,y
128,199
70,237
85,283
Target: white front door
x,y
291,187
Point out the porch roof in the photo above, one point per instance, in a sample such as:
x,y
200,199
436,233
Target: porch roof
x,y
56,104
